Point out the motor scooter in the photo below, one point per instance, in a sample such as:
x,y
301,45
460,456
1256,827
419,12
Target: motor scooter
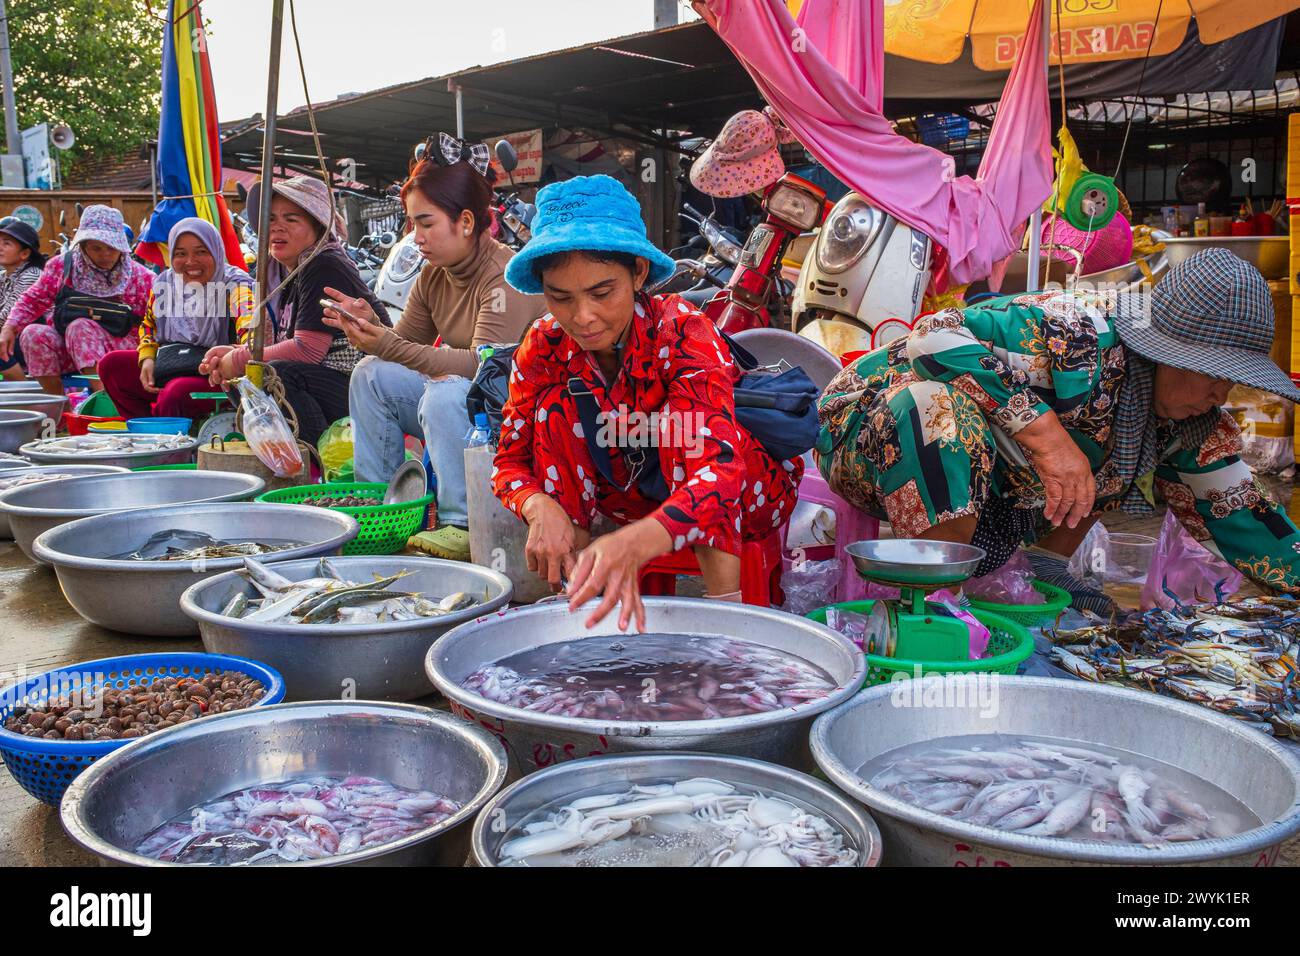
x,y
756,293
862,283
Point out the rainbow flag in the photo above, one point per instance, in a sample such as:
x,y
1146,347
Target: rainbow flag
x,y
189,144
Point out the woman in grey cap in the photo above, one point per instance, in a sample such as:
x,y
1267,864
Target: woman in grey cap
x,y
1021,419
314,361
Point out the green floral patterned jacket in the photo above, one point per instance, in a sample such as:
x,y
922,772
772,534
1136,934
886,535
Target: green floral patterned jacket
x,y
1020,356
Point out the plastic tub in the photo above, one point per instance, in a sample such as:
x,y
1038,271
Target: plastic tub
x,y
190,467
1010,645
1129,559
78,424
159,426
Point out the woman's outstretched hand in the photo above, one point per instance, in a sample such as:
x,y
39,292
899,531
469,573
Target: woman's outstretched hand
x,y
610,567
1063,469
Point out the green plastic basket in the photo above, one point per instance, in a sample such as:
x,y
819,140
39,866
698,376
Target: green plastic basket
x,y
1010,645
384,528
1031,615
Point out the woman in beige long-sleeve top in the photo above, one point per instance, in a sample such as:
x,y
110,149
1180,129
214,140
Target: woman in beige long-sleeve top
x,y
407,386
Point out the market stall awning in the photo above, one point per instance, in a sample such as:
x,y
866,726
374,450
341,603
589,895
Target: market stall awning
x,y
935,31
685,78
680,78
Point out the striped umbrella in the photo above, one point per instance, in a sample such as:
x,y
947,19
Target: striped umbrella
x,y
189,145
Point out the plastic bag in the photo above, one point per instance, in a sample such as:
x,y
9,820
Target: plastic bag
x,y
1088,563
266,431
1184,566
335,447
808,585
1013,583
1267,423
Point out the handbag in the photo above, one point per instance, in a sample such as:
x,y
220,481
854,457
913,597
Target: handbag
x,y
490,390
175,360
113,315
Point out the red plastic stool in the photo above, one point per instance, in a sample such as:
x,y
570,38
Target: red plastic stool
x,y
760,572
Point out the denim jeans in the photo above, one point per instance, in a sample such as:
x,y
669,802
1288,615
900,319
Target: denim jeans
x,y
389,401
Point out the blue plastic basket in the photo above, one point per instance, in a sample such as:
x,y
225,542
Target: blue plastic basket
x,y
45,768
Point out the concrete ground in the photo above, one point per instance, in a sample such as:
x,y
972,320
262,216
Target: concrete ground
x,y
40,631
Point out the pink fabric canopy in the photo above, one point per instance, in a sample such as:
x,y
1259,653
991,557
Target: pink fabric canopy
x,y
825,76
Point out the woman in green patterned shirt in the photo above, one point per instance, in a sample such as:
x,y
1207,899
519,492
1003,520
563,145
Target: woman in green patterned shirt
x,y
1020,419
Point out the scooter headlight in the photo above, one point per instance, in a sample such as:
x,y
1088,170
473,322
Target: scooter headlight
x,y
847,233
799,207
404,262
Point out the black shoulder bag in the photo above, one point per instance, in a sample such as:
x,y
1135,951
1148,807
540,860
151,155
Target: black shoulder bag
x,y
113,315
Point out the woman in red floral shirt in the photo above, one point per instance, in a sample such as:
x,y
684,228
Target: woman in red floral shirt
x,y
660,379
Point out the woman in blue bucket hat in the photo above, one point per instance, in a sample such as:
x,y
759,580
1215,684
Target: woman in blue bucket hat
x,y
621,403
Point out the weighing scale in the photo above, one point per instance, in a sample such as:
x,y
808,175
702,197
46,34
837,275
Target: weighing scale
x,y
919,630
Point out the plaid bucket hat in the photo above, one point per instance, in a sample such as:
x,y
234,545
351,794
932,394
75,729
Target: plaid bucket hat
x,y
1212,313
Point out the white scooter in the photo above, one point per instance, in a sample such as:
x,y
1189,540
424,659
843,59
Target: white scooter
x,y
862,283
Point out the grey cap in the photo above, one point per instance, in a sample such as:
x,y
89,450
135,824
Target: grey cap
x,y
1213,313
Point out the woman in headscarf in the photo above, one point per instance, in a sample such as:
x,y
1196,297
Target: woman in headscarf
x,y
199,301
1019,420
659,450
314,362
97,274
21,262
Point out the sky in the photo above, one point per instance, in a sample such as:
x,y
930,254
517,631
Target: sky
x,y
352,46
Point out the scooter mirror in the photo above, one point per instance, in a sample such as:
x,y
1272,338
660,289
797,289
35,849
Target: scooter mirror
x,y
506,155
243,192
63,218
79,209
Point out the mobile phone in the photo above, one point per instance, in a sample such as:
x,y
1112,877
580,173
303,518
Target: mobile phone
x,y
331,304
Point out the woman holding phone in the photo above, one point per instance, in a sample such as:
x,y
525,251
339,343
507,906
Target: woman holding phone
x,y
406,386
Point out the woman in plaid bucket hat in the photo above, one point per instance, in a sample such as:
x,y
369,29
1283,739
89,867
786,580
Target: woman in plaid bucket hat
x,y
1018,420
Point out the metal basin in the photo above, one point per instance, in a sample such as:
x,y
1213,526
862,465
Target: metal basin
x,y
910,561
1249,765
25,385
51,406
539,740
773,346
579,778
27,468
132,459
18,427
37,508
408,746
1268,254
382,661
143,597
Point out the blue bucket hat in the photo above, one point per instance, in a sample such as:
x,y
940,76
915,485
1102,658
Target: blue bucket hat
x,y
590,214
